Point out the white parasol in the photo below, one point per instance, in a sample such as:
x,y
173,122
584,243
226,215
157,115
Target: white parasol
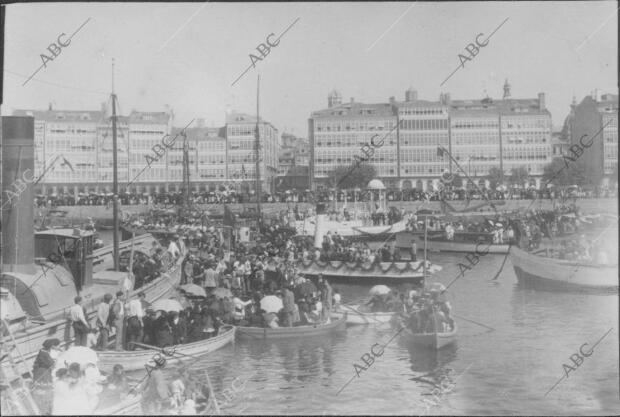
x,y
79,354
379,290
271,304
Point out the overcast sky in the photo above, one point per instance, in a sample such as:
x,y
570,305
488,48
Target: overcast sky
x,y
187,55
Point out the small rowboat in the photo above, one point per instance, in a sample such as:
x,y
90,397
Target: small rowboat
x,y
288,332
432,340
355,315
136,359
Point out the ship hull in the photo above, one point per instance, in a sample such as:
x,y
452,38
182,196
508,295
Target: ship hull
x,y
550,274
29,340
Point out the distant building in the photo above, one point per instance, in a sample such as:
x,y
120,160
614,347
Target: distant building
x,y
337,134
596,117
241,139
79,144
479,134
293,160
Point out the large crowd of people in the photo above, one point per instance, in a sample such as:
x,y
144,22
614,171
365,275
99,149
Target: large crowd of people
x,y
230,195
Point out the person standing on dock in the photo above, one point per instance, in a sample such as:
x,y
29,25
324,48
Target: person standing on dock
x,y
79,322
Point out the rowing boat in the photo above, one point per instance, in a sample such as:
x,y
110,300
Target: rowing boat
x,y
136,359
544,273
432,340
355,315
288,332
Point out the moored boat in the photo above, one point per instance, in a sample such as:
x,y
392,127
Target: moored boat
x,y
431,340
356,315
292,332
384,272
136,359
463,242
545,273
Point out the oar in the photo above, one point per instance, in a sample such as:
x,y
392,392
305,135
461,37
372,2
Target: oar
x,y
473,321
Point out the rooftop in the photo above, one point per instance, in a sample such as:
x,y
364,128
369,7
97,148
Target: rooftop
x,y
354,109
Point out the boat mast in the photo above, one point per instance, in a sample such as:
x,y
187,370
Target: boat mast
x,y
185,170
425,236
258,184
115,174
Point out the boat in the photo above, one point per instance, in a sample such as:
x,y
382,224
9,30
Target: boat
x,y
356,315
136,359
543,273
292,332
384,272
46,270
431,340
463,242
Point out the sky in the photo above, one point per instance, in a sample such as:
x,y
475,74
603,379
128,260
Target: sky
x,y
187,55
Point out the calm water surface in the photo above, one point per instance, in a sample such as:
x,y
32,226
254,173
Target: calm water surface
x,y
506,371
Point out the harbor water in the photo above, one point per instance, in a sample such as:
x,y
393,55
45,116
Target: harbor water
x,y
504,371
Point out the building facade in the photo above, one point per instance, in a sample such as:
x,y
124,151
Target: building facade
x,y
241,140
293,160
596,117
74,149
479,134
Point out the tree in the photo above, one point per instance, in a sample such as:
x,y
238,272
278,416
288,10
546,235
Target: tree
x,y
495,177
352,176
519,175
562,172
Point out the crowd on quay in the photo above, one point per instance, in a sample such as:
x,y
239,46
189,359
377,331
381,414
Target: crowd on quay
x,y
229,195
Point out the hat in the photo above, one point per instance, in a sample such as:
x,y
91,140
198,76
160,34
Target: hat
x,y
160,361
51,343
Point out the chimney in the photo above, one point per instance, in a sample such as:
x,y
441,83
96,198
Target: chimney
x,y
392,100
447,99
49,108
352,100
411,94
541,101
17,194
200,123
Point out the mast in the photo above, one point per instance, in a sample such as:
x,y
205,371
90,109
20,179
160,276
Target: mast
x,y
258,184
185,170
425,236
115,174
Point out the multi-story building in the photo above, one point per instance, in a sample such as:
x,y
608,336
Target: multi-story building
x,y
146,129
241,150
79,144
479,134
207,156
596,117
422,126
338,133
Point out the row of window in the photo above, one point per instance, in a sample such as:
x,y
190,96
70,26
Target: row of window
x,y
418,111
424,124
354,125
